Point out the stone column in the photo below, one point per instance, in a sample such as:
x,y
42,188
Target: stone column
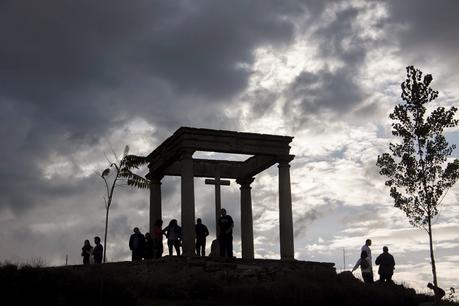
x,y
285,210
155,200
188,232
246,218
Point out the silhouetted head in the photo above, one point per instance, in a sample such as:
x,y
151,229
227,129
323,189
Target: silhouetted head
x,y
159,222
97,240
86,242
147,236
136,230
385,249
173,222
223,212
363,254
198,220
430,286
368,242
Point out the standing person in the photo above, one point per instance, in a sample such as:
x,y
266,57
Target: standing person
x,y
366,248
386,264
86,252
97,251
173,233
365,267
226,224
158,239
201,233
149,247
137,244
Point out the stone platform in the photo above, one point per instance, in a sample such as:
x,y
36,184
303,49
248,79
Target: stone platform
x,y
173,269
195,281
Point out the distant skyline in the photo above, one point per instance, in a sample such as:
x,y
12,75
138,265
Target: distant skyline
x,y
80,79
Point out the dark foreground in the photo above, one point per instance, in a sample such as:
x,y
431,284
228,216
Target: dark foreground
x,y
196,281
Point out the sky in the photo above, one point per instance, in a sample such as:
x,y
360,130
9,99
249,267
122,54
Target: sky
x,y
79,80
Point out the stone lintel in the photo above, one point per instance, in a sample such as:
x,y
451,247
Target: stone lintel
x,y
227,169
195,139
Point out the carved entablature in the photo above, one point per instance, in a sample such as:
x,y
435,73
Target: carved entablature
x,y
265,150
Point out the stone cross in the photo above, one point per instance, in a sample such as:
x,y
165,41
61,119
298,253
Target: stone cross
x,y
217,182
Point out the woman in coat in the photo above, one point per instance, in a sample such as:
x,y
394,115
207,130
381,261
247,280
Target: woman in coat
x,y
174,236
86,252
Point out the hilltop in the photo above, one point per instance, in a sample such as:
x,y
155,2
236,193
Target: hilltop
x,y
197,281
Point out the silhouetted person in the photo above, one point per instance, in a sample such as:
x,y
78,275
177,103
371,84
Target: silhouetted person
x,y
98,250
158,239
201,233
438,292
149,247
86,252
386,264
137,244
365,267
226,224
366,248
173,233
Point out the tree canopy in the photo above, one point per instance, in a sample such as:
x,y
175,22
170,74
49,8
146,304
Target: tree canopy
x,y
417,167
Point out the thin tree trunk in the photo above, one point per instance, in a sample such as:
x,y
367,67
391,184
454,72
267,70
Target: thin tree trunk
x,y
432,258
109,202
106,230
429,221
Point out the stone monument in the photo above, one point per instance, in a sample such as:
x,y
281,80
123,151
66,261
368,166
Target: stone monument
x,y
175,157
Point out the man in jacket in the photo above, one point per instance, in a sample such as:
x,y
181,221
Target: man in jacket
x,y
201,233
97,251
226,225
137,244
386,264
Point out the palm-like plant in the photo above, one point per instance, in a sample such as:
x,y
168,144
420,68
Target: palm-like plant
x,y
122,175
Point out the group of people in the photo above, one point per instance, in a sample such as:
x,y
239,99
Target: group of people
x,y
92,254
386,264
385,261
150,245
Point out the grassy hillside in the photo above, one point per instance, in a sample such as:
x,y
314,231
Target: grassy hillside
x,y
196,281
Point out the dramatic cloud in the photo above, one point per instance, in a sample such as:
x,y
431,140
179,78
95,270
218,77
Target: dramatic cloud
x,y
72,72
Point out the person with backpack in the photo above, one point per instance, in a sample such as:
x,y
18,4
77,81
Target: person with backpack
x,y
365,267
